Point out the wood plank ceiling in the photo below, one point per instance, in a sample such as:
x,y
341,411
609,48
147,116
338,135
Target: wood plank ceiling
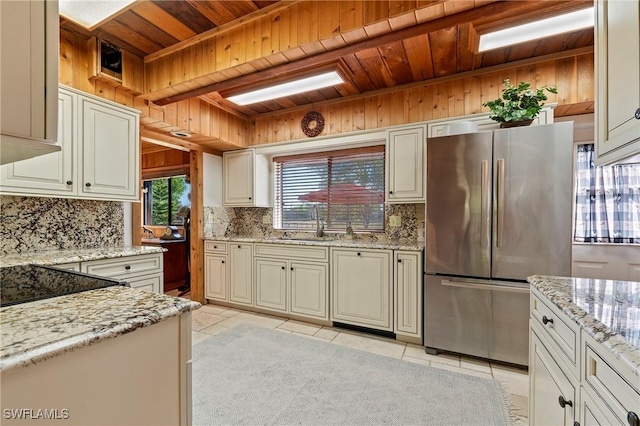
x,y
370,65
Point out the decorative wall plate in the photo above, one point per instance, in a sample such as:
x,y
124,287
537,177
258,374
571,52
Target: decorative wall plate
x,y
312,124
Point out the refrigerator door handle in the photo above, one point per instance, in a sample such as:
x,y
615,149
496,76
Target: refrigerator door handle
x,y
484,207
500,203
491,287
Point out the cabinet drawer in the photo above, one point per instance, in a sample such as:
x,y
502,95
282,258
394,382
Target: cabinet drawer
x,y
282,251
564,333
151,283
215,247
609,384
124,267
68,266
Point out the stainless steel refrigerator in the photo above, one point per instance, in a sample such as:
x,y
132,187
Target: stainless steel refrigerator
x,y
498,210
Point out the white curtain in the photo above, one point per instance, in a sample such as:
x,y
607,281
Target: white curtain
x,y
607,200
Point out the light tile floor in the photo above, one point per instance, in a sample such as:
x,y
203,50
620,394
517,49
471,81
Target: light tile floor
x,y
213,319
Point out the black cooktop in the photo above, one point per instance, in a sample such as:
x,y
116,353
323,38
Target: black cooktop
x,y
26,283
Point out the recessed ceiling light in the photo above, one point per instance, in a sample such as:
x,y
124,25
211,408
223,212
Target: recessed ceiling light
x,y
90,13
180,134
573,21
289,88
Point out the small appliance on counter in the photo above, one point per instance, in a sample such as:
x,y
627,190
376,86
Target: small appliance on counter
x,y
28,283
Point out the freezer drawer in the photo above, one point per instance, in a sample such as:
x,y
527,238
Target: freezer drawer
x,y
483,318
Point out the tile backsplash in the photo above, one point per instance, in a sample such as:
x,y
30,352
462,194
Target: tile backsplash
x,y
248,222
38,224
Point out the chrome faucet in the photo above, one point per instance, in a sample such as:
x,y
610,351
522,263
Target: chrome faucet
x,y
319,229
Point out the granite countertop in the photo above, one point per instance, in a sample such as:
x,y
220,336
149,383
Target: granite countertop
x,y
411,246
36,331
606,309
59,257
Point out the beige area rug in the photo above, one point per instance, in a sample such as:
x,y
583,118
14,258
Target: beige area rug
x,y
254,376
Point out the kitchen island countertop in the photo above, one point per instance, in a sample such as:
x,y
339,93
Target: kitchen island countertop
x,y
59,257
608,310
36,331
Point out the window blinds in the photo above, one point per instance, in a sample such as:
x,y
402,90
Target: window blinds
x,y
346,185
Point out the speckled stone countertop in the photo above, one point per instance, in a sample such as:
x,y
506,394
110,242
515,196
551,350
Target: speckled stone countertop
x,y
59,257
355,243
606,309
36,331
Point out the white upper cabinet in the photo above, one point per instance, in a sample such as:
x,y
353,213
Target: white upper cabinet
x,y
110,151
29,35
405,165
99,158
617,48
246,179
51,173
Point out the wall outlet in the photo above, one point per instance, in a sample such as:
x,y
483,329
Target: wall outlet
x,y
210,217
395,221
266,219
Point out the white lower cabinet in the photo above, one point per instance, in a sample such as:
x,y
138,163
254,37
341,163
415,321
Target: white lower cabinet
x,y
136,378
592,413
216,273
69,266
373,288
152,283
271,284
602,391
309,284
241,273
143,272
554,393
408,293
294,287
361,287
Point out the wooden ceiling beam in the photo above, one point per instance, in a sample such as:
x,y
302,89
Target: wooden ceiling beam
x,y
497,10
176,143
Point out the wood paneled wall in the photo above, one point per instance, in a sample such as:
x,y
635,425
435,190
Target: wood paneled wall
x,y
574,78
75,60
161,163
208,122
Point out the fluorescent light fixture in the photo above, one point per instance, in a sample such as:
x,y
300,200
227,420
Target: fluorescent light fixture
x,y
573,21
290,88
89,13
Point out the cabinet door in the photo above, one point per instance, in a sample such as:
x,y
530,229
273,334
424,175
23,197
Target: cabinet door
x,y
216,277
547,385
594,413
50,174
109,143
309,289
151,283
271,284
241,276
405,165
238,169
618,83
361,288
408,293
29,34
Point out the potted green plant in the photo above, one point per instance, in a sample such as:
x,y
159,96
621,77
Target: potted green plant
x,y
519,105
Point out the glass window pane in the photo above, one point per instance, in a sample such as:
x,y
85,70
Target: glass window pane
x,y
163,199
346,187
